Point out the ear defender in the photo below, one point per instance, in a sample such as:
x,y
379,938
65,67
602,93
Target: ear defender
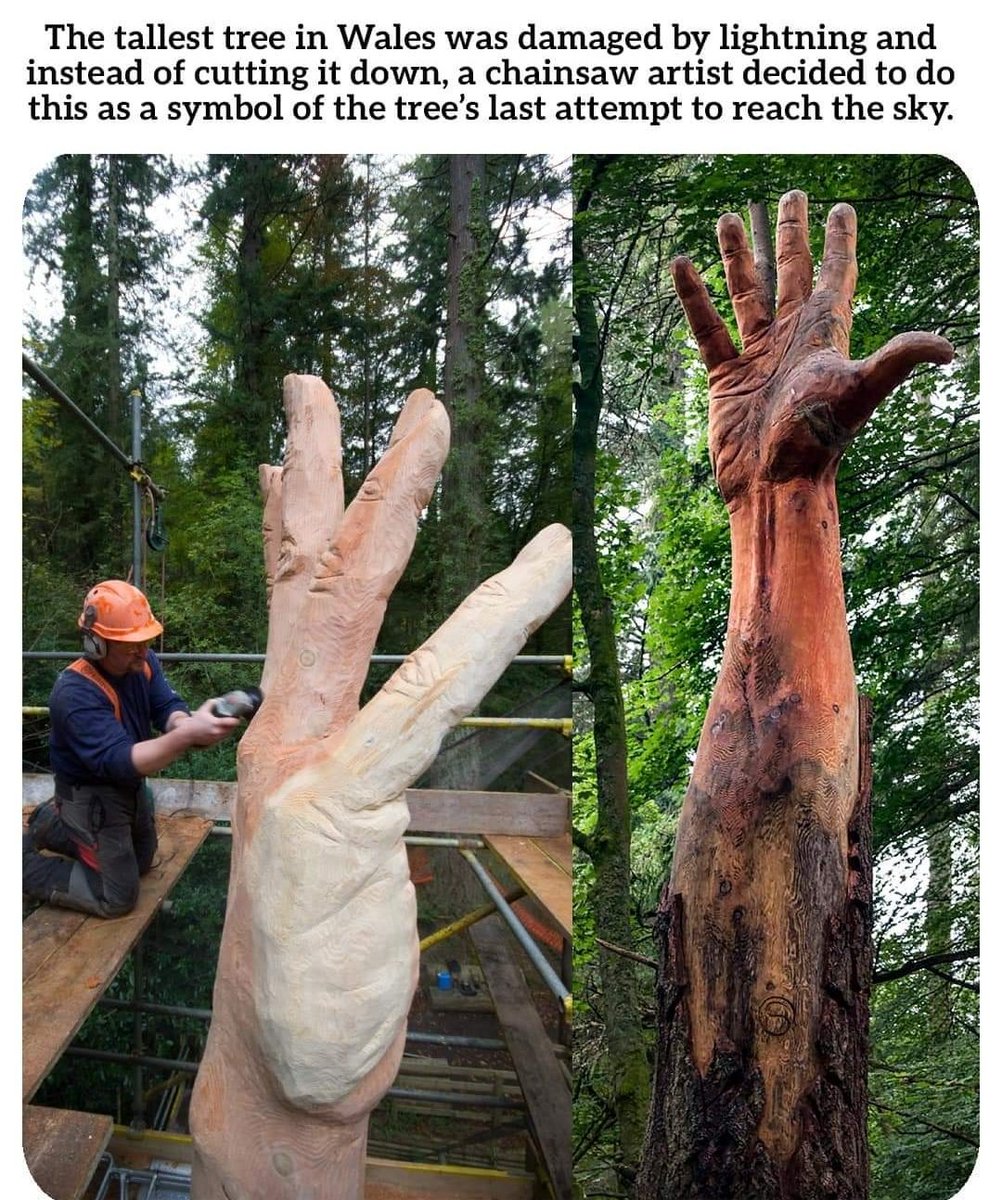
x,y
94,646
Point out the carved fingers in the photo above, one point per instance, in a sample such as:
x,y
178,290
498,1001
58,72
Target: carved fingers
x,y
312,488
709,330
330,571
798,366
398,733
331,904
375,539
751,308
794,268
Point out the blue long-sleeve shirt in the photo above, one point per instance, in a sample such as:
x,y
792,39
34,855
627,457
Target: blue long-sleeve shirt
x,y
86,742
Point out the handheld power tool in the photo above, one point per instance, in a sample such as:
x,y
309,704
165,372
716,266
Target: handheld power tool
x,y
243,702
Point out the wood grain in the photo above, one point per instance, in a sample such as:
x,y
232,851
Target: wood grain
x,y
62,1148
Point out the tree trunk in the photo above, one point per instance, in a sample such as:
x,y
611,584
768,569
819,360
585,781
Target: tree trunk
x,y
319,956
761,1085
609,844
764,924
464,482
939,922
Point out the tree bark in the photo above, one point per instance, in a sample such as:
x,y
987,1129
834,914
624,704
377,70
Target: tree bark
x,y
465,480
609,844
319,956
764,924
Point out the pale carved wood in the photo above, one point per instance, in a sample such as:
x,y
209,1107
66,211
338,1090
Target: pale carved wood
x,y
319,954
760,1085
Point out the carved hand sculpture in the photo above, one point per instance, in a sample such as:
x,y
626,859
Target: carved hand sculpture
x,y
761,1007
319,955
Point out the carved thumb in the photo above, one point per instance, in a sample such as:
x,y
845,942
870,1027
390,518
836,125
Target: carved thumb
x,y
875,377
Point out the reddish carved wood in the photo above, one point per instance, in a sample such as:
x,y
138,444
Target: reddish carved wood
x,y
762,996
319,955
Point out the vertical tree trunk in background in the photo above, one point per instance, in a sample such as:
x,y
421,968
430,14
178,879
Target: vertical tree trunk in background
x,y
116,426
464,481
368,453
608,846
760,1087
938,921
464,505
253,322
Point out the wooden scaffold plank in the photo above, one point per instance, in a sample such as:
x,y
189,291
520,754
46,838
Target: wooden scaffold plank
x,y
62,1148
68,959
543,814
543,867
543,1083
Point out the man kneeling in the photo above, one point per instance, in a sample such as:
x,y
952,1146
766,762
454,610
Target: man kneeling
x,y
103,708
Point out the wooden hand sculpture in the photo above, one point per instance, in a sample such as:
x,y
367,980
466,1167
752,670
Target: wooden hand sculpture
x,y
760,1086
319,955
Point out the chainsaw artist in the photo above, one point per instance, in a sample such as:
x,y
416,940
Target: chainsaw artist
x,y
103,709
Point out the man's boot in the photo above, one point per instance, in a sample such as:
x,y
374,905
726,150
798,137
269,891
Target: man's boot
x,y
48,831
60,881
41,874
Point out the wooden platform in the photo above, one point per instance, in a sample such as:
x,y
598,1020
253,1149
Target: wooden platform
x,y
540,814
68,959
543,867
385,1179
62,1148
544,1086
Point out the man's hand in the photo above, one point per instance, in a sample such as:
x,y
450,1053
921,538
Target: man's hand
x,y
204,728
789,403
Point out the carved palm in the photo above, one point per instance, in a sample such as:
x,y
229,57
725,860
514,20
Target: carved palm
x,y
791,400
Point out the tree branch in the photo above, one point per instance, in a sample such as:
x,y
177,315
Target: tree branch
x,y
923,964
624,953
954,1133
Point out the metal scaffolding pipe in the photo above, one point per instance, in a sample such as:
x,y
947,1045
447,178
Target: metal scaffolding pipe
x,y
138,1107
446,1039
166,1010
451,843
459,1099
56,393
520,660
205,1014
410,839
173,1064
471,918
524,938
137,491
562,724
128,1060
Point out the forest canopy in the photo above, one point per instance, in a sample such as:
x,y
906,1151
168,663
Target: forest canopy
x,y
198,285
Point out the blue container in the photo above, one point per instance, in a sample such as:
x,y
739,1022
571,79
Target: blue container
x,y
444,981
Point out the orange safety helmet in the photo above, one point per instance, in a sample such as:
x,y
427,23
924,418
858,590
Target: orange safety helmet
x,y
118,612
